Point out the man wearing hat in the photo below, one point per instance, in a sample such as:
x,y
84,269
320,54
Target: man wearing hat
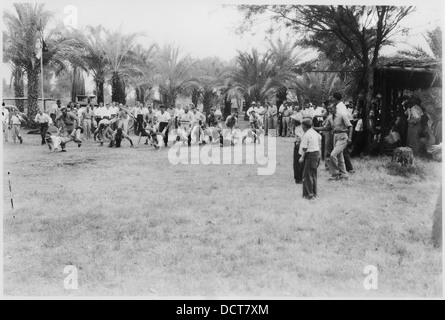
x,y
298,169
310,158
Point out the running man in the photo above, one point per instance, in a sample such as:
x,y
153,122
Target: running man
x,y
44,121
15,122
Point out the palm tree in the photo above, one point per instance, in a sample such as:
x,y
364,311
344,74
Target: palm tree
x,y
93,56
142,76
254,78
174,75
319,86
122,63
25,28
211,75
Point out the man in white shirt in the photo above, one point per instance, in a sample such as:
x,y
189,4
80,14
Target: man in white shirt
x,y
106,112
15,123
260,111
164,120
184,122
5,121
44,121
198,119
310,157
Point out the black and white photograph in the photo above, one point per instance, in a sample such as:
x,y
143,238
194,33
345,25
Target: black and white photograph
x,y
221,150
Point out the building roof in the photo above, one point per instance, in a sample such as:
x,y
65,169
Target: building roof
x,y
412,74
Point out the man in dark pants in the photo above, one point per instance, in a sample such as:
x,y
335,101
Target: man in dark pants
x,y
298,169
310,157
164,119
43,120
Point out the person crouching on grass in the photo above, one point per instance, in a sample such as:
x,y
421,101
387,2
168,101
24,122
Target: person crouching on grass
x,y
117,138
151,131
310,158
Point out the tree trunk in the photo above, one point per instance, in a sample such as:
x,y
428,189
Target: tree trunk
x,y
195,97
19,88
117,88
78,84
33,92
227,107
99,90
368,87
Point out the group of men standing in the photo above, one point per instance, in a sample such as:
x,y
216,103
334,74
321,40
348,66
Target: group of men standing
x,y
337,130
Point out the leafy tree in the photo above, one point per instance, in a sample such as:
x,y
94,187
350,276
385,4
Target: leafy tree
x,y
93,56
362,30
174,75
118,52
25,29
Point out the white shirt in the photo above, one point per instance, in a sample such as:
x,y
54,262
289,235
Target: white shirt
x,y
43,118
163,117
359,125
310,140
106,112
197,116
178,112
5,114
260,110
15,120
79,112
308,112
185,117
299,132
144,111
318,112
114,110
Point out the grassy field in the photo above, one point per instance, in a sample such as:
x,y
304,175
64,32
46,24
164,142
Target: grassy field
x,y
133,224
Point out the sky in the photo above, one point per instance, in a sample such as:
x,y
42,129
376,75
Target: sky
x,y
204,28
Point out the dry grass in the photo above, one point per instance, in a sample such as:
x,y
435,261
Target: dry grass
x,y
135,225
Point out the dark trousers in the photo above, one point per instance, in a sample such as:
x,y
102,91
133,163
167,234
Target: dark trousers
x,y
43,130
358,144
162,126
311,163
53,118
138,126
348,162
298,170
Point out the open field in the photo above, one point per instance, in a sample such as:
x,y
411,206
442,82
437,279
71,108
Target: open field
x,y
133,224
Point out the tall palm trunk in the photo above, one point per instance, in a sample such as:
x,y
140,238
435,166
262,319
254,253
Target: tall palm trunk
x,y
19,88
33,90
99,89
117,88
78,84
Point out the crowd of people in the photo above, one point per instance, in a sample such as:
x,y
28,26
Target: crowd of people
x,y
334,132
